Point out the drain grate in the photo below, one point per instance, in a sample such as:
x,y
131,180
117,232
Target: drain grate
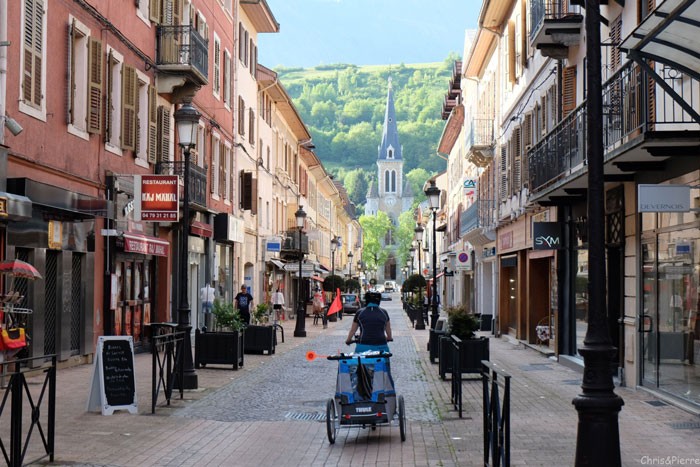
x,y
536,367
656,403
572,382
685,426
306,416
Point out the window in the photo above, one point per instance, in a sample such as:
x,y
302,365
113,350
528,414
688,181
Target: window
x,y
615,40
569,94
393,181
216,85
241,47
227,79
143,122
253,57
129,104
386,180
32,59
245,47
201,146
390,153
511,58
164,127
113,107
228,193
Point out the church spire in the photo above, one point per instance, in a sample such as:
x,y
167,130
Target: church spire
x,y
390,149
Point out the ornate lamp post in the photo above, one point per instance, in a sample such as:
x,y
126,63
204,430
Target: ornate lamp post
x,y
419,238
433,194
187,121
334,247
350,256
598,438
299,327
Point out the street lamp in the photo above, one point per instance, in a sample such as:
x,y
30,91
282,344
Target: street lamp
x,y
433,195
187,122
598,407
350,256
419,238
299,330
334,247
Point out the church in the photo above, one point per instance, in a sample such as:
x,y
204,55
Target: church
x,y
390,192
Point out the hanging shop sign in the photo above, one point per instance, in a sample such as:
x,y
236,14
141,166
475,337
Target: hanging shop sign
x,y
3,207
546,236
157,198
663,198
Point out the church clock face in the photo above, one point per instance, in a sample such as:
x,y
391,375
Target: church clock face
x,y
390,201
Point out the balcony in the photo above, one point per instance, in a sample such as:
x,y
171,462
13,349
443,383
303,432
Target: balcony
x,y
290,244
477,223
642,125
454,91
480,142
182,52
556,26
198,180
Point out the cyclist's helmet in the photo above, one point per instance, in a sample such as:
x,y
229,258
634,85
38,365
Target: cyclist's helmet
x,y
373,297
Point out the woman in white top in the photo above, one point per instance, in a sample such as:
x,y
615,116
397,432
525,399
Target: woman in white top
x,y
278,305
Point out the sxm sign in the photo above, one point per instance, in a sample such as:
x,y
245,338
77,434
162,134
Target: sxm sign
x,y
546,236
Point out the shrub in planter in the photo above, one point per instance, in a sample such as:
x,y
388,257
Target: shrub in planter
x,y
227,317
261,313
260,339
224,347
333,282
463,324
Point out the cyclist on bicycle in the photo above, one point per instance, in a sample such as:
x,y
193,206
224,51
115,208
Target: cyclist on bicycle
x,y
374,325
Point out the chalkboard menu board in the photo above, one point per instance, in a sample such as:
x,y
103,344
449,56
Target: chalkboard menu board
x,y
114,382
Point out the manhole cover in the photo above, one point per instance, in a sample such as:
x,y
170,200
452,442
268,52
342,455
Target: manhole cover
x,y
306,416
656,403
685,426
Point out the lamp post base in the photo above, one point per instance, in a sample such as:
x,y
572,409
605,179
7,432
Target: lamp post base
x,y
434,317
598,438
189,375
299,330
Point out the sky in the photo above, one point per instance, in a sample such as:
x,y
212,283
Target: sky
x,y
366,32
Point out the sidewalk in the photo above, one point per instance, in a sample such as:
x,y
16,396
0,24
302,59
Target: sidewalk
x,y
543,419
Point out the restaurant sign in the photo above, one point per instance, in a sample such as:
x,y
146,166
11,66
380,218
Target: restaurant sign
x,y
156,198
3,207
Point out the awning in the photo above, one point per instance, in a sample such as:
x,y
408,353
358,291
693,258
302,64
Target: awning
x,y
322,269
279,263
201,229
15,207
317,278
669,35
145,244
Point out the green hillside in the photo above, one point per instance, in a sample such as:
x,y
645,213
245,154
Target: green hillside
x,y
343,107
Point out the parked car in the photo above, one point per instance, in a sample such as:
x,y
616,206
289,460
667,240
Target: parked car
x,y
351,303
389,286
386,296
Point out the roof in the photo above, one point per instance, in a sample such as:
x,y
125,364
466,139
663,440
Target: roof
x,y
267,81
492,18
390,133
372,190
259,13
453,127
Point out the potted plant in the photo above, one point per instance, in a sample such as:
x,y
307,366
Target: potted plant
x,y
462,324
225,345
260,338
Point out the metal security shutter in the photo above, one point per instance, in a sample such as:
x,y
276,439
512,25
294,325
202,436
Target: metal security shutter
x,y
76,303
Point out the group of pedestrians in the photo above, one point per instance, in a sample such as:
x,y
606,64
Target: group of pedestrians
x,y
243,302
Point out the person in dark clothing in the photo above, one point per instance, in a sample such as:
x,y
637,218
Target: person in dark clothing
x,y
244,301
374,325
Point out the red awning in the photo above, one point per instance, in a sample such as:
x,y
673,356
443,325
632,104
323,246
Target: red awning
x,y
145,244
317,278
201,229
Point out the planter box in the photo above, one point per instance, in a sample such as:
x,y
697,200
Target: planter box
x,y
472,352
434,344
218,348
260,339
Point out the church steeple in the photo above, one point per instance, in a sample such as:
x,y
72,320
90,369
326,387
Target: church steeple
x,y
390,149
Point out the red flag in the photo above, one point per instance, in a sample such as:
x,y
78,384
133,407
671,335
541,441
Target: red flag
x,y
336,306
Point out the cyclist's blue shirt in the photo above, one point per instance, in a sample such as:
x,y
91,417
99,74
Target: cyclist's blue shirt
x,y
372,321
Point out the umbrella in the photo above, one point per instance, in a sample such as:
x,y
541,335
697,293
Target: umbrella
x,y
19,268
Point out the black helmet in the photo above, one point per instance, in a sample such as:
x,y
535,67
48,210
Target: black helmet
x,y
373,297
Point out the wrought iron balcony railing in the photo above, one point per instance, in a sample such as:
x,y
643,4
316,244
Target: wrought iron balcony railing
x,y
633,105
541,10
478,215
181,48
480,141
198,179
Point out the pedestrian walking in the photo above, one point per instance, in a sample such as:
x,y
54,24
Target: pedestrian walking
x,y
278,305
206,296
244,301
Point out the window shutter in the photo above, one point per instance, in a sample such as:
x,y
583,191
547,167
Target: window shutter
x,y
33,47
163,147
241,116
72,39
246,190
245,47
152,145
517,161
543,117
154,10
222,169
523,33
231,172
253,195
569,94
511,51
95,83
251,126
615,40
108,97
217,67
128,123
178,9
240,41
504,173
527,141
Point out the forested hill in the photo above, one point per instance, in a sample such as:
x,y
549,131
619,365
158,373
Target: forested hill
x,y
343,107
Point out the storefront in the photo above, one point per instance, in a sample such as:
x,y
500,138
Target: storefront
x,y
669,334
228,231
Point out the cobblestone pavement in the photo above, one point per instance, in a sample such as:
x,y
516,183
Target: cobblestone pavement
x,y
270,413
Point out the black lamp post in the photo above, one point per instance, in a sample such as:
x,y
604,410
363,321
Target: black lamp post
x,y
334,246
598,438
433,194
299,327
350,256
409,263
187,121
419,238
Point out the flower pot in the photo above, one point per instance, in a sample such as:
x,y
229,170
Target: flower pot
x,y
260,339
218,348
472,352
